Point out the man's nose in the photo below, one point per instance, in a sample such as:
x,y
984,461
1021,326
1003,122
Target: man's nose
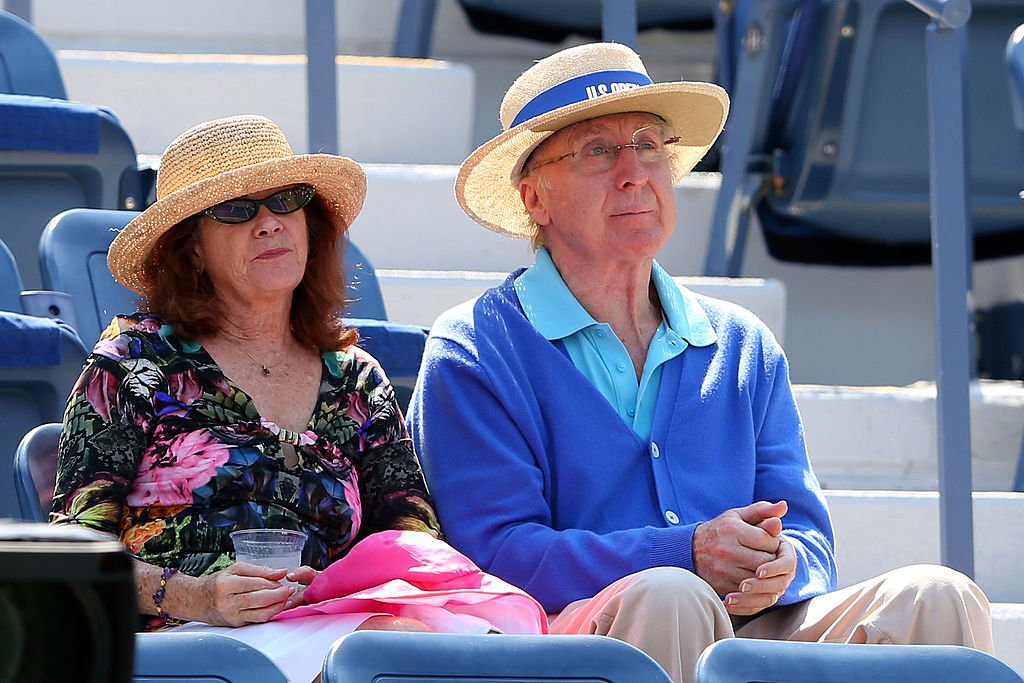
x,y
629,167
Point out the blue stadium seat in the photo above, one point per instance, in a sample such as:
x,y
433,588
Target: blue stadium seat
x,y
365,297
28,65
554,22
400,657
200,658
10,281
73,259
56,155
829,132
399,349
745,660
35,471
40,360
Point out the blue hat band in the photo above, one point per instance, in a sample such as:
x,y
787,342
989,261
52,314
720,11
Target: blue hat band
x,y
580,89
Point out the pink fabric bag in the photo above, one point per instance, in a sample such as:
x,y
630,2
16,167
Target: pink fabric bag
x,y
413,574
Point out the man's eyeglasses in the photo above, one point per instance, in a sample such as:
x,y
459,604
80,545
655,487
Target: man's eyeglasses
x,y
288,200
595,154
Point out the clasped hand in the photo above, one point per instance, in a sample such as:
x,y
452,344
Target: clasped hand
x,y
248,594
744,557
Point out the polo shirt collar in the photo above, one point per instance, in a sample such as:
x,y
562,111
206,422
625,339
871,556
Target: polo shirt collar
x,y
553,310
547,301
685,315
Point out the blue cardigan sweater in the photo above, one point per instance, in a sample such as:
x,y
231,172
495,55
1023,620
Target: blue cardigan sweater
x,y
537,479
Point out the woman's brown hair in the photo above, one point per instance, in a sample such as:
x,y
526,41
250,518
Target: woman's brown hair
x,y
182,293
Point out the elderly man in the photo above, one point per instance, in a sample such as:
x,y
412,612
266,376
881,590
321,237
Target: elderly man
x,y
625,450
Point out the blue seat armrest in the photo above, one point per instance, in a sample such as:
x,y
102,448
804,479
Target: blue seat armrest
x,y
45,303
30,341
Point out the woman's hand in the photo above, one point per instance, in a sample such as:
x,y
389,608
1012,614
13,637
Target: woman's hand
x,y
243,594
302,577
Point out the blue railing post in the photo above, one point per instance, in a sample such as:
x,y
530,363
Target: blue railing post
x,y
321,77
618,22
20,8
415,26
952,256
762,42
1015,64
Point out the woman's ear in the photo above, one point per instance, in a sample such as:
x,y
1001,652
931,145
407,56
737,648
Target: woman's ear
x,y
196,255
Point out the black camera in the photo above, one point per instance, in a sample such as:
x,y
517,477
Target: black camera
x,y
67,605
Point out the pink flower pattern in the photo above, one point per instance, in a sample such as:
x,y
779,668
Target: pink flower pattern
x,y
101,392
168,477
184,386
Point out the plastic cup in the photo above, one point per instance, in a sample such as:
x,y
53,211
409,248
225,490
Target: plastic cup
x,y
274,548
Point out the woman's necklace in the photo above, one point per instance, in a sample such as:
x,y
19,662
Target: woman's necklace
x,y
237,341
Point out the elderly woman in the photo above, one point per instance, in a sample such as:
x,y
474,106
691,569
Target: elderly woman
x,y
237,399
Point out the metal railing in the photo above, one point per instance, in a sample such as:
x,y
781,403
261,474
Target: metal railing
x,y
952,256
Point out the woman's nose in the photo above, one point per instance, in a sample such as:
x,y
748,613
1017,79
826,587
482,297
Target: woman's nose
x,y
267,222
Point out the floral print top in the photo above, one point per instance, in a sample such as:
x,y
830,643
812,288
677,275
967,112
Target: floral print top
x,y
160,448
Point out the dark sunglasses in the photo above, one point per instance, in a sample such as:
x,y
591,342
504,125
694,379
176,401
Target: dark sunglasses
x,y
288,200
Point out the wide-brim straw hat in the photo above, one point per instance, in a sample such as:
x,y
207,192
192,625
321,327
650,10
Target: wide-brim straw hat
x,y
226,159
570,86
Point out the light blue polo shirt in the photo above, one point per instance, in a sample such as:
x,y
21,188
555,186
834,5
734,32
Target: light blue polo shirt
x,y
554,311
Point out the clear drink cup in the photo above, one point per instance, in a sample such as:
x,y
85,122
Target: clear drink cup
x,y
274,548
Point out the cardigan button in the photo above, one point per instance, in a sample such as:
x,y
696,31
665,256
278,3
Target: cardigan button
x,y
655,451
672,517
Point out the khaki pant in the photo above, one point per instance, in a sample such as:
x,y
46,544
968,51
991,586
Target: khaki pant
x,y
672,615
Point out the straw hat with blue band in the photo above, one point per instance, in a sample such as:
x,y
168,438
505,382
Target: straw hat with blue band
x,y
570,86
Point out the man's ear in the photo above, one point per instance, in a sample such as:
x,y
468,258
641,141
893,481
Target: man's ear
x,y
533,201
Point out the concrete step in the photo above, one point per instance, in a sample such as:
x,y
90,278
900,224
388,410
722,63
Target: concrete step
x,y
885,437
881,530
1008,633
157,96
